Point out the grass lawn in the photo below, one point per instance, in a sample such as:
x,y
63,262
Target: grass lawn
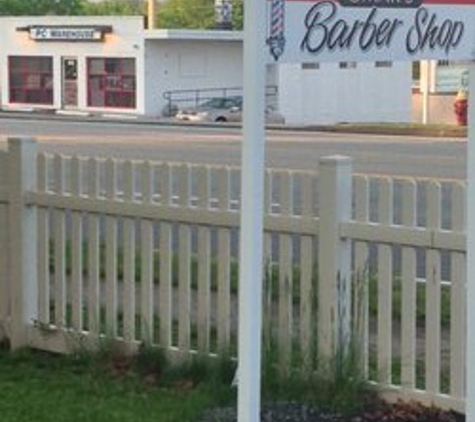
x,y
41,387
410,129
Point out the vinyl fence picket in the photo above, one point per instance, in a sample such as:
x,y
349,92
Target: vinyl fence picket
x,y
93,251
204,263
285,276
224,264
408,286
361,273
59,247
43,245
128,282
307,288
147,259
433,293
184,262
76,248
165,250
111,250
385,285
267,262
458,298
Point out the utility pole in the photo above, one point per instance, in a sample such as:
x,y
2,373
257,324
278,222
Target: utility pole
x,y
151,14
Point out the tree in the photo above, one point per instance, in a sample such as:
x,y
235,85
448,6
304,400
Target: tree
x,y
70,7
191,14
41,7
115,7
238,14
195,14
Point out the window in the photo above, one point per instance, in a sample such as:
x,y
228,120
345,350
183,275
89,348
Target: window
x,y
347,65
309,66
111,82
31,79
70,70
383,63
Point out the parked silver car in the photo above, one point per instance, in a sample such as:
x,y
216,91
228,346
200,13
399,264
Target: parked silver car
x,y
222,109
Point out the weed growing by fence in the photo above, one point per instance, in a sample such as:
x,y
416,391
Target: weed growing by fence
x,y
334,385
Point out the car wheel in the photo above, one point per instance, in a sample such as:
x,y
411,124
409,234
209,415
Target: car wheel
x,y
221,119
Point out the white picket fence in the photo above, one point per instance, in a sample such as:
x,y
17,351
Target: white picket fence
x,y
146,252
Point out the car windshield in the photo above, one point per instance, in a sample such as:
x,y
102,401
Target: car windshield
x,y
221,103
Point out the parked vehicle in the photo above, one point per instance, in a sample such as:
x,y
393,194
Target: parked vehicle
x,y
222,109
217,109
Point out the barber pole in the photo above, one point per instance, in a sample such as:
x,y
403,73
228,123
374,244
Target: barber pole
x,y
276,40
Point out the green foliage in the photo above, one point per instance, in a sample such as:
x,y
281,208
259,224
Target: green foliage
x,y
41,7
188,14
115,7
195,14
71,7
238,14
67,388
397,300
151,363
335,386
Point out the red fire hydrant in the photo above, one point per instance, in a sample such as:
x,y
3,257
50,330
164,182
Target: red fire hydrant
x,y
461,108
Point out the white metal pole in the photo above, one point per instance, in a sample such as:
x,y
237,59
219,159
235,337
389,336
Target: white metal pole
x,y
252,194
470,375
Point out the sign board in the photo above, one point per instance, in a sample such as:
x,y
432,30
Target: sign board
x,y
67,33
450,79
370,30
302,31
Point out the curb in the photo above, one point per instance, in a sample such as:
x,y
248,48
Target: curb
x,y
435,131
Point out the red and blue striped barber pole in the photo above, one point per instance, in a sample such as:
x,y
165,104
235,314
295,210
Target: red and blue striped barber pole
x,y
276,40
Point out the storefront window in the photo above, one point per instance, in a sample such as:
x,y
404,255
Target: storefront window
x,y
111,82
31,79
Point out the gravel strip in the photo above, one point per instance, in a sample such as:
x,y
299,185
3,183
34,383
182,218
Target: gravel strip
x,y
275,412
298,412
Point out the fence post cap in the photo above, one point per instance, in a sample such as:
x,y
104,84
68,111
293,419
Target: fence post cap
x,y
21,140
335,160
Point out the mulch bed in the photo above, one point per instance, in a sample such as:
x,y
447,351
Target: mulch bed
x,y
374,412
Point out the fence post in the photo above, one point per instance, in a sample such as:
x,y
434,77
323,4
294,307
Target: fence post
x,y
334,255
22,238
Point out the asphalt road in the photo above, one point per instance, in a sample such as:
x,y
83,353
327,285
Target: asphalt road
x,y
294,149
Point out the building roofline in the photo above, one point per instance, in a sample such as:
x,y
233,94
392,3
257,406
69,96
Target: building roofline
x,y
192,35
